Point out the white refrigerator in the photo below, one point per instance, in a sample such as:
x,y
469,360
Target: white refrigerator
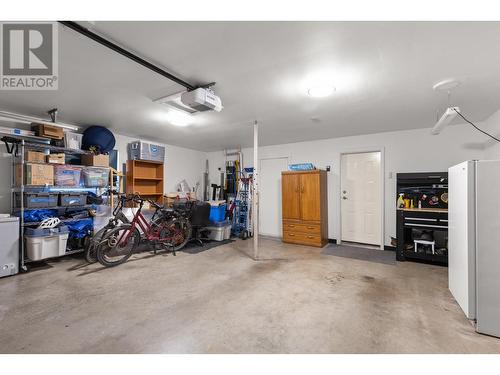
x,y
9,245
474,241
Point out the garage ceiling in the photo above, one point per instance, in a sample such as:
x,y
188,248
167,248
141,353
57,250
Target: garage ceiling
x,y
383,73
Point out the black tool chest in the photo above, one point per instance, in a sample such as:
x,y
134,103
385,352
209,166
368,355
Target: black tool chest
x,y
427,221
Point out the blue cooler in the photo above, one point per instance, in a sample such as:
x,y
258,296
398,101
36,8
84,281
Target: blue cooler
x,y
217,213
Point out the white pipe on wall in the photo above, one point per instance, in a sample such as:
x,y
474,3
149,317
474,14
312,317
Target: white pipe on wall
x,y
255,192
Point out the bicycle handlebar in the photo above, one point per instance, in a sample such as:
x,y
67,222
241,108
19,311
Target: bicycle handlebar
x,y
138,199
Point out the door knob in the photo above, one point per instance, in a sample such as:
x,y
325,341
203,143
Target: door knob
x,y
344,197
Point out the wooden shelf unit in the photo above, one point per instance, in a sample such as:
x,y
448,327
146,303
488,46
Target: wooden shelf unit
x,y
305,207
145,178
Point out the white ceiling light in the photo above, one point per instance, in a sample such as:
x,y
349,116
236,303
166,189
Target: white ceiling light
x,y
179,118
321,91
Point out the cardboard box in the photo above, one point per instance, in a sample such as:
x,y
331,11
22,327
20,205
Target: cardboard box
x,y
95,160
48,131
56,158
35,174
34,156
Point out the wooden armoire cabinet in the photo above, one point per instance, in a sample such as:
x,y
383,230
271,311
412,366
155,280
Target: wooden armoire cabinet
x,y
305,207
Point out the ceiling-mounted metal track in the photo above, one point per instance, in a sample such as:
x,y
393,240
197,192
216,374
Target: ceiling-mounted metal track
x,y
89,34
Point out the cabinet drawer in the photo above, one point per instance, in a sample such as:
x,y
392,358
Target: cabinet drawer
x,y
301,227
302,238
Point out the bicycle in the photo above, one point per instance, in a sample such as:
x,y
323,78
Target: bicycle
x,y
167,229
118,217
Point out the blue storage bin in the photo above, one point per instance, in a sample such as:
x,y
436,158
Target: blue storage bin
x,y
217,213
72,199
301,167
37,200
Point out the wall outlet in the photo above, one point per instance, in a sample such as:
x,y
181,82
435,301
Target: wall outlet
x,y
328,168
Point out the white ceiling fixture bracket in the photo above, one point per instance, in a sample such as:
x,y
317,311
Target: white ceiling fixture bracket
x,y
451,112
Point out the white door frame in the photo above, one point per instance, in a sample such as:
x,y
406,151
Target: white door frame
x,y
382,190
260,169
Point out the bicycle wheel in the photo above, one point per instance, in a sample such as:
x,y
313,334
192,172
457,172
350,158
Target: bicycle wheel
x,y
174,233
118,245
91,246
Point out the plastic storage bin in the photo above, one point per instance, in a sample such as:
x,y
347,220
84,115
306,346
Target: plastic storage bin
x,y
96,177
217,213
46,232
72,199
37,200
146,151
227,231
219,231
67,175
43,247
301,167
216,233
73,140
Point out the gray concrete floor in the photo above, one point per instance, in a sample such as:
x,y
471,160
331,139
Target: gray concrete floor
x,y
220,301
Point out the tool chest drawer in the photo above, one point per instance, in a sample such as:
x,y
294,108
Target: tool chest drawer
x,y
424,220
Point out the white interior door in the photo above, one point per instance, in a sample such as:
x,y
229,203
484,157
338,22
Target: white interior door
x,y
360,190
270,195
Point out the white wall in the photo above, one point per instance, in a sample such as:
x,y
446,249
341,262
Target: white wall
x,y
180,163
404,151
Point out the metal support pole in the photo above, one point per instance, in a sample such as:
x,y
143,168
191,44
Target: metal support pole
x,y
255,197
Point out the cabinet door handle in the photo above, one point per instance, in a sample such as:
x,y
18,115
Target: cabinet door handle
x,y
291,225
291,234
311,237
311,228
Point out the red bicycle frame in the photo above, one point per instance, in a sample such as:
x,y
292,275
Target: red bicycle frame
x,y
150,234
